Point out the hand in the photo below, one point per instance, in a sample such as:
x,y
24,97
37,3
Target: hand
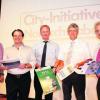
x,y
1,78
98,75
37,66
80,64
59,64
54,69
27,65
22,66
3,67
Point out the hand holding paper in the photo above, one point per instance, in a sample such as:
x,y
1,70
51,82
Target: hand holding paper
x,y
3,67
48,80
37,66
27,65
22,66
80,64
59,64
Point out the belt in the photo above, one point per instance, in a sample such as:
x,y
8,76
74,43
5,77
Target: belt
x,y
18,75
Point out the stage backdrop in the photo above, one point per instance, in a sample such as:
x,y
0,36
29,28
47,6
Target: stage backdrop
x,y
29,15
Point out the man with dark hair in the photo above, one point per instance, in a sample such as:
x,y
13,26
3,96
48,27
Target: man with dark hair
x,y
18,79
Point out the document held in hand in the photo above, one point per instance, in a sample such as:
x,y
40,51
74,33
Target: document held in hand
x,y
48,80
92,67
10,63
65,72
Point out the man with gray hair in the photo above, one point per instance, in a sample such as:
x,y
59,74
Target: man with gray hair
x,y
71,53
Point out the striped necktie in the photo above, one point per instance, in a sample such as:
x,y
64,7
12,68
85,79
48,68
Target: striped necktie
x,y
69,53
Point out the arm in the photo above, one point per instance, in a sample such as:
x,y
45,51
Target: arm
x,y
59,64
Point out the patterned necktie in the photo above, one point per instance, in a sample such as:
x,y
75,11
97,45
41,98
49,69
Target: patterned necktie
x,y
44,54
69,54
98,56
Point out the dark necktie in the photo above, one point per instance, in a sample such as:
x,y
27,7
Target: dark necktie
x,y
44,54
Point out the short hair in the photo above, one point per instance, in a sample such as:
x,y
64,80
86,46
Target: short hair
x,y
96,24
18,30
47,26
74,25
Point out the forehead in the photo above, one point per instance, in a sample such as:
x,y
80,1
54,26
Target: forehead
x,y
72,28
44,28
97,26
18,33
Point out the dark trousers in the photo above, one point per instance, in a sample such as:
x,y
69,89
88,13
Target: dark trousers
x,y
98,88
39,91
78,83
18,86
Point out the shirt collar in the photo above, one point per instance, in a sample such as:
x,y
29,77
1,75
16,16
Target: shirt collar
x,y
44,41
74,40
22,45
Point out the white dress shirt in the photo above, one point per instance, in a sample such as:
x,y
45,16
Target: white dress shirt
x,y
24,54
80,52
51,52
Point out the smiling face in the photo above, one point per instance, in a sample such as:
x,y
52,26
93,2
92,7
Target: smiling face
x,y
17,37
45,32
97,30
73,31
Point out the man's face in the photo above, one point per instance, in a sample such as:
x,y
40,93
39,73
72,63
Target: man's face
x,y
97,31
72,32
45,33
17,37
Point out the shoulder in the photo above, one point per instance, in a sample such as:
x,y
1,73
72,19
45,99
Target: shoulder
x,y
81,43
9,48
53,43
37,44
27,47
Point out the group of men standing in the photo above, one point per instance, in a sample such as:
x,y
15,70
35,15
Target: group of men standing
x,y
47,53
